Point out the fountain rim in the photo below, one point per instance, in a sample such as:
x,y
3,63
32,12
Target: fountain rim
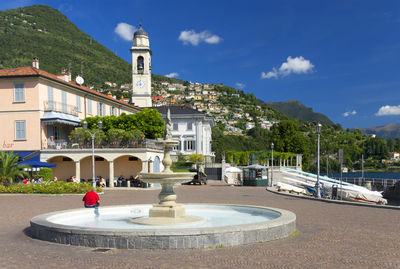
x,y
284,218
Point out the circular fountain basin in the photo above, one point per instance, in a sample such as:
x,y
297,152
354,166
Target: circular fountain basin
x,y
111,227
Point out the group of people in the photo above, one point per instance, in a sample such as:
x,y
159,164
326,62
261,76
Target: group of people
x,y
134,181
39,180
32,180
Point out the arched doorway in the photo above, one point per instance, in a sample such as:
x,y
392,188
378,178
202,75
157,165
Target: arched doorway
x,y
127,166
65,167
100,165
156,165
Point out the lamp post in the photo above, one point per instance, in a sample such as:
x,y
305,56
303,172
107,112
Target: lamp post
x,y
317,186
92,135
272,163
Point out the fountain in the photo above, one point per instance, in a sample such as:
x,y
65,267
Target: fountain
x,y
167,212
164,225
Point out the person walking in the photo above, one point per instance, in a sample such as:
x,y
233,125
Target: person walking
x,y
91,199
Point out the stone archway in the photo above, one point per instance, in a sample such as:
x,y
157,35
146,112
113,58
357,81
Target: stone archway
x,y
100,164
65,167
127,166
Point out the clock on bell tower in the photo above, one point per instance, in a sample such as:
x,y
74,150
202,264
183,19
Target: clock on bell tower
x,y
141,69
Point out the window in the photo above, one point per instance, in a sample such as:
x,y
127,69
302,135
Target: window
x,y
189,126
64,101
113,111
99,109
50,97
89,106
19,93
78,103
20,131
190,145
175,126
178,147
140,64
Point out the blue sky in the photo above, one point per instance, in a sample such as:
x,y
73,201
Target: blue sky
x,y
339,57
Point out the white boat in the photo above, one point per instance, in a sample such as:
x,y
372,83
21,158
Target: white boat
x,y
346,191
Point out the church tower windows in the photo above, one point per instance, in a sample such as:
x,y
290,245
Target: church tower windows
x,y
141,69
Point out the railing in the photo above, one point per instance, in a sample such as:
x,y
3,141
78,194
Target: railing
x,y
378,184
66,144
60,107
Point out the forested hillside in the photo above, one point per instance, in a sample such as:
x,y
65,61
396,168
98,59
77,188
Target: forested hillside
x,y
297,110
43,32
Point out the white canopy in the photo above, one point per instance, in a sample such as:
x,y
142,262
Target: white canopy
x,y
233,170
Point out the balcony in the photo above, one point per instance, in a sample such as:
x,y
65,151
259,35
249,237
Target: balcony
x,y
50,106
103,144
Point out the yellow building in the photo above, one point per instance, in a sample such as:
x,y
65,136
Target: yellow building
x,y
38,110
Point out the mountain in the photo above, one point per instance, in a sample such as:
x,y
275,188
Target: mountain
x,y
297,110
43,32
386,132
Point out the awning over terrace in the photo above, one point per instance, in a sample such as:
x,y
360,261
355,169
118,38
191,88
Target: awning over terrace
x,y
58,117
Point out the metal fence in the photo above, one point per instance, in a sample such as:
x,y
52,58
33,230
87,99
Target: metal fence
x,y
378,184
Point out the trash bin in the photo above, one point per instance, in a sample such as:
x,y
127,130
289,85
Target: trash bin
x,y
334,192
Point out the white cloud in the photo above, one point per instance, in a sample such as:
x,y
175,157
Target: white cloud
x,y
191,37
349,113
271,74
172,75
125,31
297,65
388,111
240,85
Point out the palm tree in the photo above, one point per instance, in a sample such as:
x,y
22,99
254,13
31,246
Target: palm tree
x,y
9,167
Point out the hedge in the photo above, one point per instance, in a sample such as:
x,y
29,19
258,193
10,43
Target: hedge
x,y
59,187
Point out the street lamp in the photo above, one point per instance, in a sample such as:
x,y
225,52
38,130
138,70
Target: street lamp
x,y
92,135
317,186
272,163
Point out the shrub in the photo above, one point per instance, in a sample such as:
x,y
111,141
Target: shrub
x,y
46,173
59,187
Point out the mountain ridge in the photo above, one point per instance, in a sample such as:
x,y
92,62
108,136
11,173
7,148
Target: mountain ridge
x,y
391,130
297,110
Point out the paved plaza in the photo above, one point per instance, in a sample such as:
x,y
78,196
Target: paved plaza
x,y
329,235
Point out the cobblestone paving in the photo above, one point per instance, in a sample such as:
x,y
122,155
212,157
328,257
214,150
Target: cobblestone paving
x,y
329,235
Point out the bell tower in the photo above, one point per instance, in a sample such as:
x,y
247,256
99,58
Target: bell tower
x,y
141,69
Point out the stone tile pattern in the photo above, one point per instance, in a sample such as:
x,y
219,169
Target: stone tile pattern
x,y
329,235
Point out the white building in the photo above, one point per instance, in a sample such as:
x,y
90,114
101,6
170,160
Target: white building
x,y
192,128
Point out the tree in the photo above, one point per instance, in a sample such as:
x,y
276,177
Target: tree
x,y
147,121
9,167
196,158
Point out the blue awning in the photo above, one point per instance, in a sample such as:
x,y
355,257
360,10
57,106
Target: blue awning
x,y
34,163
32,158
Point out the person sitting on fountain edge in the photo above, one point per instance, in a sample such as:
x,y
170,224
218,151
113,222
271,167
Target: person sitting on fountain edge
x,y
91,199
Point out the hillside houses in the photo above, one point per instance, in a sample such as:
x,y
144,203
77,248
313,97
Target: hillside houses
x,y
205,98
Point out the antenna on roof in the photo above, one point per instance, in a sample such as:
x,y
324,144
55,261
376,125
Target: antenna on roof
x,y
79,80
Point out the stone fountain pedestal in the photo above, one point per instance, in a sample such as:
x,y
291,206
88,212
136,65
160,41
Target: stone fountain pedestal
x,y
167,211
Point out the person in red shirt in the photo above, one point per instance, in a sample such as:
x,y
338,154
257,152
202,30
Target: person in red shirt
x,y
91,199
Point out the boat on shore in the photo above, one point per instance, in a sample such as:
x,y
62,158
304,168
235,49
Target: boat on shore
x,y
304,183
